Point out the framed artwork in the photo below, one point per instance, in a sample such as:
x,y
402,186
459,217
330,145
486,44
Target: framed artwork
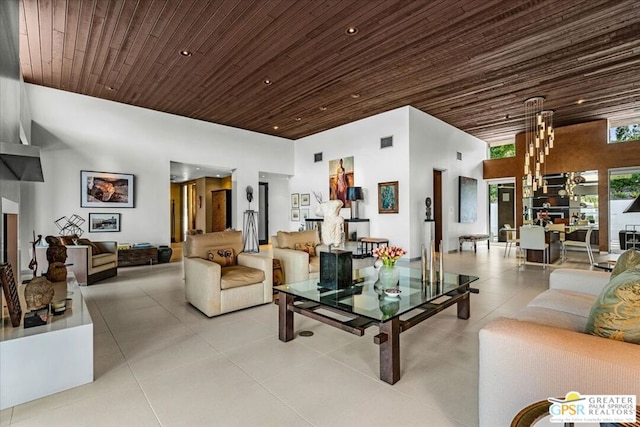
x,y
340,178
467,199
305,199
295,200
295,215
106,190
104,222
304,213
388,197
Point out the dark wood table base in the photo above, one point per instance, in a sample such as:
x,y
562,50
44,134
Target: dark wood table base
x,y
388,337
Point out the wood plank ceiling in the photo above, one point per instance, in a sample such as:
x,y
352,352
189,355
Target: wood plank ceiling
x,y
470,63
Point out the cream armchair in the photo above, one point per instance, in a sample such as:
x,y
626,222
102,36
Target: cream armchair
x,y
297,264
89,261
215,288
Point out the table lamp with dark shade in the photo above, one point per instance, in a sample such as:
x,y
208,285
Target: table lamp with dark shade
x,y
633,207
355,195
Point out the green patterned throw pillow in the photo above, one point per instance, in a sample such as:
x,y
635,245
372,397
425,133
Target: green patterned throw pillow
x,y
616,312
627,260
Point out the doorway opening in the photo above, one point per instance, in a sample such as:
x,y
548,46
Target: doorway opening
x,y
624,228
263,213
501,208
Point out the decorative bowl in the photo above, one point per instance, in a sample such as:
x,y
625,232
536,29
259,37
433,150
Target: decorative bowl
x,y
392,292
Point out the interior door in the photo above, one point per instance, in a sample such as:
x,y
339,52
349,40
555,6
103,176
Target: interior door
x,y
263,213
220,210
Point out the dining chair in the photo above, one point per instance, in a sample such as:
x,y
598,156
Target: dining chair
x,y
561,229
533,237
510,234
580,244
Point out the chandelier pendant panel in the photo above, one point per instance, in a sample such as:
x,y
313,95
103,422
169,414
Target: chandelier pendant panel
x,y
539,140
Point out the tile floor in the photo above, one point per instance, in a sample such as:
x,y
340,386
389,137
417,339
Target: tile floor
x,y
160,362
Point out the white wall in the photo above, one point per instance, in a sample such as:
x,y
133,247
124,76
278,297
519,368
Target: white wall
x,y
434,145
421,143
77,132
361,139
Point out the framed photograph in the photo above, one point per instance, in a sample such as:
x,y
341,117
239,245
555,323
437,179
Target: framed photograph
x,y
295,215
106,190
104,222
295,200
305,199
304,213
467,200
388,197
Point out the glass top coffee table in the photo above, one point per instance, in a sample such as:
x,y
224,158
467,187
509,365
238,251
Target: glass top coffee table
x,y
365,304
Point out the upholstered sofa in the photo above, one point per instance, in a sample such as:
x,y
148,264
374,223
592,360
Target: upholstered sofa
x,y
292,248
89,261
544,352
220,278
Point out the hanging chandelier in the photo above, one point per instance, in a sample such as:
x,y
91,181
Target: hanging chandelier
x,y
539,140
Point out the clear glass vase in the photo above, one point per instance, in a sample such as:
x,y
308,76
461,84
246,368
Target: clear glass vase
x,y
389,276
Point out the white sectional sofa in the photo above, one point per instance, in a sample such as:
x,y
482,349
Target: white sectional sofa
x,y
543,351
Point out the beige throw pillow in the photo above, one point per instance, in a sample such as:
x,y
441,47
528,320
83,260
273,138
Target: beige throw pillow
x,y
225,257
308,247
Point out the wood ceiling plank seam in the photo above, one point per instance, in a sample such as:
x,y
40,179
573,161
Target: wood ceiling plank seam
x,y
71,27
154,44
25,53
97,46
31,12
25,64
95,35
56,66
85,23
173,42
133,28
142,75
137,53
58,36
103,60
126,15
45,27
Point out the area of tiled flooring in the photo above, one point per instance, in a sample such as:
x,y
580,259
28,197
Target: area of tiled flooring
x,y
160,362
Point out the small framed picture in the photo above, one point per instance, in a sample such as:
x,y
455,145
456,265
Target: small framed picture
x,y
305,199
388,197
304,213
295,215
104,222
295,200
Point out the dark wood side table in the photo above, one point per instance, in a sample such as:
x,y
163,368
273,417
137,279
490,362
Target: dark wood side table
x,y
137,256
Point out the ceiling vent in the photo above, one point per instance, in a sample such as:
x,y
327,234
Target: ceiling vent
x,y
458,155
317,157
386,142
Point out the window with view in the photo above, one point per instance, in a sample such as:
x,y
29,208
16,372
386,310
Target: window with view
x,y
624,133
502,151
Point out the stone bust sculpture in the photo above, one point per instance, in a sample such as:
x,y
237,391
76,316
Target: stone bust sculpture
x,y
332,222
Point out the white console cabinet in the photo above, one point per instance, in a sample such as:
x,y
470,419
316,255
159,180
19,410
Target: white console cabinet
x,y
42,360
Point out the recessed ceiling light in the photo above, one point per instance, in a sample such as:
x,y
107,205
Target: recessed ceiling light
x,y
218,175
276,128
579,101
351,31
298,119
355,95
185,53
267,81
323,108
